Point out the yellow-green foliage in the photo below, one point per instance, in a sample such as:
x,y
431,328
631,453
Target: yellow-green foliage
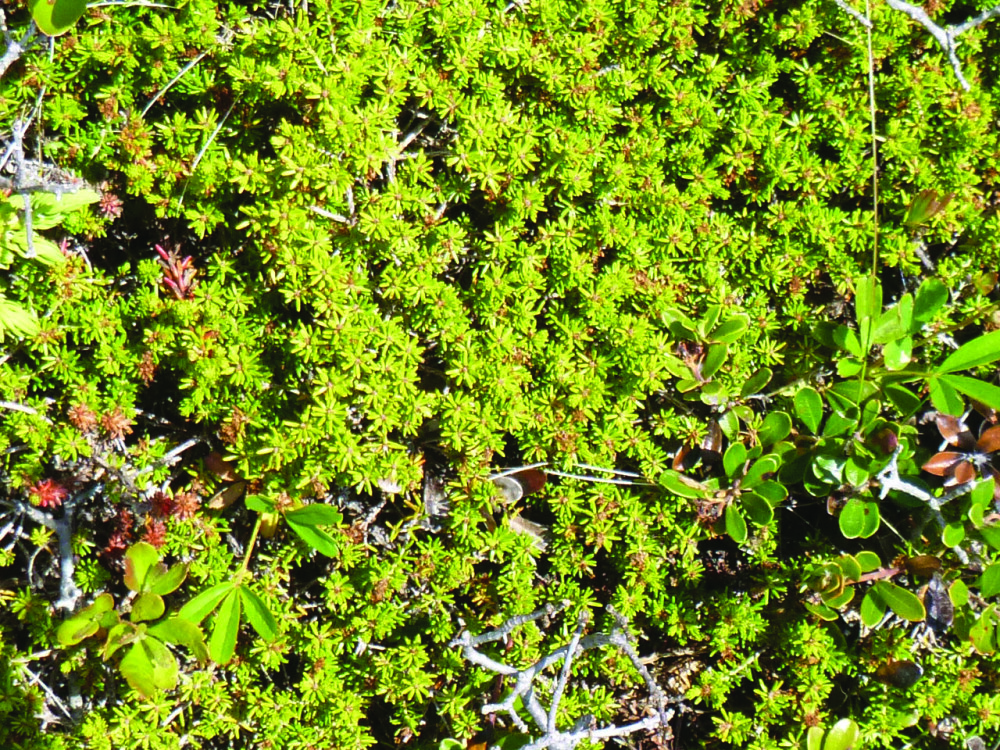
x,y
358,255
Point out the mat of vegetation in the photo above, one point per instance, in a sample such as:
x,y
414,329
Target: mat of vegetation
x,y
291,290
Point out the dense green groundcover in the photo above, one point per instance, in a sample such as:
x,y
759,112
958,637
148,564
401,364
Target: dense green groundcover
x,y
348,260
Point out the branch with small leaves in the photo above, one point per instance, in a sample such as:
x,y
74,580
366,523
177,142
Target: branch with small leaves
x,y
946,37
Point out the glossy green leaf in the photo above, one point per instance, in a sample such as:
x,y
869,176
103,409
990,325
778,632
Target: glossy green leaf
x,y
734,459
316,538
983,631
86,622
729,423
838,424
777,425
953,534
852,518
809,408
708,320
889,326
137,669
872,609
204,603
959,593
759,469
772,491
680,485
829,468
904,603
74,630
851,567
814,738
55,17
991,534
848,368
121,635
868,303
165,582
868,561
181,632
898,354
139,559
905,400
873,519
149,666
756,382
841,600
984,393
982,493
846,339
680,325
757,508
147,606
844,735
822,611
945,398
259,503
989,581
859,518
730,330
736,526
980,351
931,297
225,629
316,514
855,473
715,357
713,393
258,615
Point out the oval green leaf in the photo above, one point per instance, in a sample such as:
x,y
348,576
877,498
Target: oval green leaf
x,y
147,606
904,603
258,615
202,605
776,426
852,518
757,508
989,581
182,633
55,17
985,393
139,558
736,527
980,351
166,582
868,561
953,534
756,382
316,538
734,459
222,644
316,514
844,735
872,609
809,408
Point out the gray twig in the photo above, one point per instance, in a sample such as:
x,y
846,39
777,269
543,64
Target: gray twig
x,y
890,480
14,48
947,38
524,680
856,15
